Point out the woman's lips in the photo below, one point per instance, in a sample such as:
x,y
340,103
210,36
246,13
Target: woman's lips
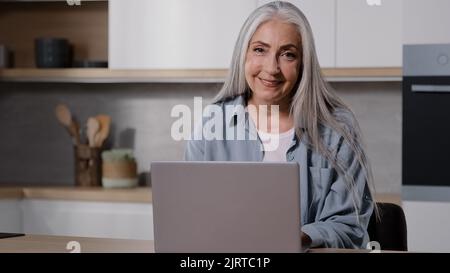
x,y
270,83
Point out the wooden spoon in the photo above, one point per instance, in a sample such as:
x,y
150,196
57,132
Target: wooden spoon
x,y
64,116
105,124
93,127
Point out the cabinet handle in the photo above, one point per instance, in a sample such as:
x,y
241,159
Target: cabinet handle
x,y
430,88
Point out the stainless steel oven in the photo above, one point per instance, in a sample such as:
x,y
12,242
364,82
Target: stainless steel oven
x,y
426,122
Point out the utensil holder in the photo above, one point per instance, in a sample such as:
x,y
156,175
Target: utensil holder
x,y
87,166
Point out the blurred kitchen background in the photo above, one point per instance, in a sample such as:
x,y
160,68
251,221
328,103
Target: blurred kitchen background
x,y
133,35
37,150
160,53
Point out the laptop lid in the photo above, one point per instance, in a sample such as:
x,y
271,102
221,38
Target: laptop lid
x,y
226,206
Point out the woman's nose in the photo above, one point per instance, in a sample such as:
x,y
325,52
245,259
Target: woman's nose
x,y
271,65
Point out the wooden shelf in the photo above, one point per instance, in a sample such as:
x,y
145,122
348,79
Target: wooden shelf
x,y
98,194
363,74
104,75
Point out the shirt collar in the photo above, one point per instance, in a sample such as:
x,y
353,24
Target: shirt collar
x,y
243,119
239,103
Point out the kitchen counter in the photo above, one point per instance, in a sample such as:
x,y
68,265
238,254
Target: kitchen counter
x,y
134,195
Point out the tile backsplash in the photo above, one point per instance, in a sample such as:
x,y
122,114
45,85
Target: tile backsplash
x,y
36,150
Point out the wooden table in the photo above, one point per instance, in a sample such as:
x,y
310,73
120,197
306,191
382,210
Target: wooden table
x,y
50,244
44,243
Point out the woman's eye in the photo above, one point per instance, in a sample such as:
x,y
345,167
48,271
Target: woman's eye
x,y
289,55
258,50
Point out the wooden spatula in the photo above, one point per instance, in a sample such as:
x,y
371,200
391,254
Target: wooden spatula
x,y
92,129
102,135
64,116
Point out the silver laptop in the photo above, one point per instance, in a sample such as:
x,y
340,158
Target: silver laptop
x,y
226,207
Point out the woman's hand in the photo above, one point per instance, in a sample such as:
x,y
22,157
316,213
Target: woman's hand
x,y
306,241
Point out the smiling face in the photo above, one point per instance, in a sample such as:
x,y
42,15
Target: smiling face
x,y
273,62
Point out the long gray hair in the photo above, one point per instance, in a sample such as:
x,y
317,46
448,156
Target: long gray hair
x,y
314,103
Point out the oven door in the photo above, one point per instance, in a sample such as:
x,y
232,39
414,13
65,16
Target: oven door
x,y
426,131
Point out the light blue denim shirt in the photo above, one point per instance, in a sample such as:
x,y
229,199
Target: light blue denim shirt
x,y
327,211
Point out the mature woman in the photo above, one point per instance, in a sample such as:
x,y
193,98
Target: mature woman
x,y
275,63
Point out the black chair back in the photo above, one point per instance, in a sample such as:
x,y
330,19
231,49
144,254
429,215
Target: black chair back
x,y
390,230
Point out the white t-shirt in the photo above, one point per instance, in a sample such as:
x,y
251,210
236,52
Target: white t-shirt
x,y
276,145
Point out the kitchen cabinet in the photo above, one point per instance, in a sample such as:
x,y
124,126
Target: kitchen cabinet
x,y
119,220
10,215
178,41
174,34
426,22
369,36
352,33
321,16
200,34
78,211
428,225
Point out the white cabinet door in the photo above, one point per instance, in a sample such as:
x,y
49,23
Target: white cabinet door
x,y
428,226
321,16
174,34
88,219
10,215
369,35
426,22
